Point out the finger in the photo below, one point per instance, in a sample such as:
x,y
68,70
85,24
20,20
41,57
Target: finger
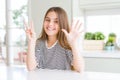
x,y
28,36
82,31
79,33
27,33
73,23
66,33
77,25
32,26
26,26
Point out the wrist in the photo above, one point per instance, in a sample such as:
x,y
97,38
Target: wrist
x,y
75,48
31,42
73,45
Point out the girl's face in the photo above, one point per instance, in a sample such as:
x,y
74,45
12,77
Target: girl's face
x,y
51,24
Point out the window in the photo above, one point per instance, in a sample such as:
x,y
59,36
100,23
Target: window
x,y
18,36
19,13
2,20
104,20
18,10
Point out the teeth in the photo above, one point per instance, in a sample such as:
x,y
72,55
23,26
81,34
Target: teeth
x,y
50,28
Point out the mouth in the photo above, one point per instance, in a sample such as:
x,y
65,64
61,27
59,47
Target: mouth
x,y
50,29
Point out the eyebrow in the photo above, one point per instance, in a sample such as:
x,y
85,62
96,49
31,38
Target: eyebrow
x,y
52,18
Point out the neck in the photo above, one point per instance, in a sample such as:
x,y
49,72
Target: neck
x,y
51,41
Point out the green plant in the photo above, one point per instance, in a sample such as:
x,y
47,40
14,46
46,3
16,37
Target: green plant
x,y
99,36
112,34
112,37
19,14
88,36
94,36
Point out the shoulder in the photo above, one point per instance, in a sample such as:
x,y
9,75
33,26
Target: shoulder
x,y
39,42
61,49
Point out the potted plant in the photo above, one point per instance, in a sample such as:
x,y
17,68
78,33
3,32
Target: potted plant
x,y
112,37
93,41
111,42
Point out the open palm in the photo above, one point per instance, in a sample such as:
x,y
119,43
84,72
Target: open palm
x,y
74,33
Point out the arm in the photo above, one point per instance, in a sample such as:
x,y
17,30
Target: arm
x,y
78,61
72,37
30,60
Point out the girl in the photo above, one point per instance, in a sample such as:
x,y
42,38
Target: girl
x,y
56,48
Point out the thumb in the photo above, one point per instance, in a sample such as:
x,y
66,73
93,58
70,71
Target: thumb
x,y
66,33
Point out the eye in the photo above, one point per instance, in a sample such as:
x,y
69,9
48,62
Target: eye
x,y
55,21
48,20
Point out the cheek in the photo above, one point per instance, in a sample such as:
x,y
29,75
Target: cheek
x,y
44,25
58,30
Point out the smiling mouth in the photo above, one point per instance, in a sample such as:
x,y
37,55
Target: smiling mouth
x,y
50,29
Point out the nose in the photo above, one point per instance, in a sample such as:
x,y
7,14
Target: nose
x,y
51,23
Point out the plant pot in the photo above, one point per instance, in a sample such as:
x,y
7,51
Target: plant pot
x,y
93,45
109,48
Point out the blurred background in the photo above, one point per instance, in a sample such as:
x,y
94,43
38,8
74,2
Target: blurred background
x,y
99,44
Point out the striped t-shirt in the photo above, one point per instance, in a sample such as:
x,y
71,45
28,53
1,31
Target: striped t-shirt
x,y
53,58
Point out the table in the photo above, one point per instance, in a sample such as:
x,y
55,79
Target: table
x,y
71,75
45,74
21,73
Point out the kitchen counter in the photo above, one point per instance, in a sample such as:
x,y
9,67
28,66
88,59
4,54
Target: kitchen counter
x,y
101,54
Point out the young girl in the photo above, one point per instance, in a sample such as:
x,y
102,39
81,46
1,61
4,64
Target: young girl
x,y
56,48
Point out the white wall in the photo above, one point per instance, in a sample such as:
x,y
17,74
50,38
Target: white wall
x,y
38,9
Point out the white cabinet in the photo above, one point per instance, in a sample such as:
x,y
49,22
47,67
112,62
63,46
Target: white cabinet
x,y
102,61
90,4
102,65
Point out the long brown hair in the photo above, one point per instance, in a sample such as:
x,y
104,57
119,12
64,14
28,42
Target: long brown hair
x,y
63,23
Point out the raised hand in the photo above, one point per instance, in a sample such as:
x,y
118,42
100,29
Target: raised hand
x,y
29,29
74,33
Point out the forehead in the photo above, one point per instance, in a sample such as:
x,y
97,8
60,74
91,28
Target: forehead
x,y
52,15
